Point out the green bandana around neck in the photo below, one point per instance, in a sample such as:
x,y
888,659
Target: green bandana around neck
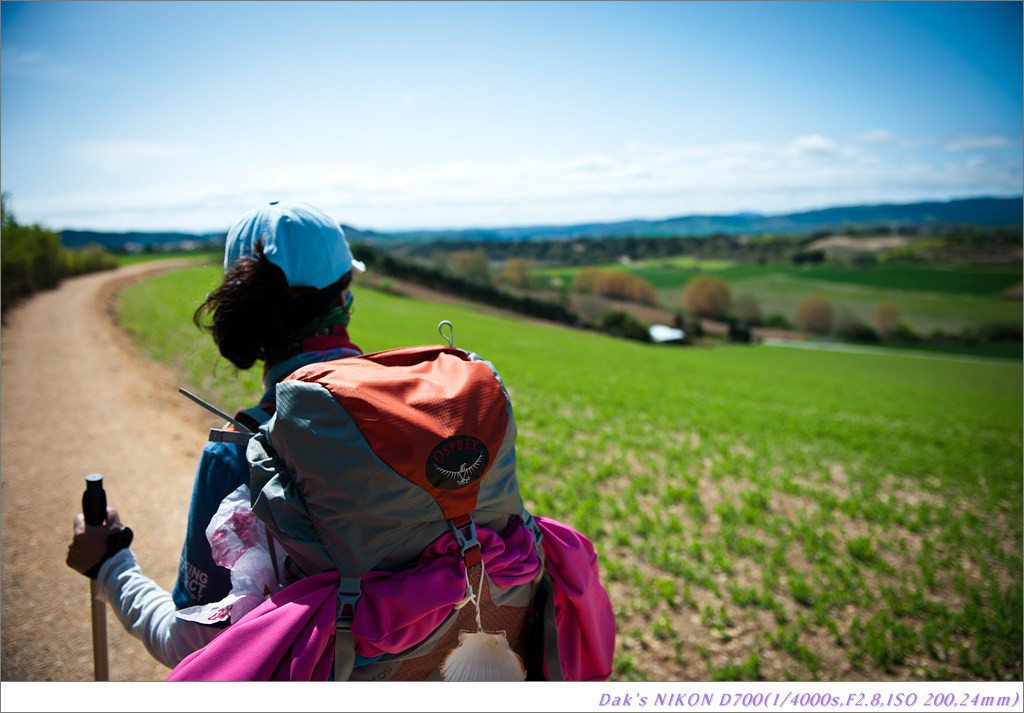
x,y
321,326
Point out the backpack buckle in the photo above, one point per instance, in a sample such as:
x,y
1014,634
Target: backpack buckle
x,y
349,591
467,543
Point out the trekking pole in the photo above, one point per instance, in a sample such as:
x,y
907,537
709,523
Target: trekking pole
x,y
94,508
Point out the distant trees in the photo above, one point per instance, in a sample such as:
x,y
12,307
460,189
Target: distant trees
x,y
755,249
815,314
847,325
747,310
582,277
887,320
707,296
617,284
625,286
517,271
583,280
402,268
470,264
623,324
809,257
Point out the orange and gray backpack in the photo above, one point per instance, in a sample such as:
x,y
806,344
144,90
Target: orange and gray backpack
x,y
389,480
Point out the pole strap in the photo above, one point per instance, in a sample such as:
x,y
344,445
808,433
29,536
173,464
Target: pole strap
x,y
349,591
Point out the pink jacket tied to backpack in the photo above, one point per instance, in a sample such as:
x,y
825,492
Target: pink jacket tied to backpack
x,y
291,635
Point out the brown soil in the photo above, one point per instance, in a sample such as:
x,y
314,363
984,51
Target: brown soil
x,y
872,244
78,399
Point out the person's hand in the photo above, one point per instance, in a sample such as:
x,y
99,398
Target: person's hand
x,y
92,545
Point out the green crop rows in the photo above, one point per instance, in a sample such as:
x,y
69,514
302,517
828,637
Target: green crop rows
x,y
759,512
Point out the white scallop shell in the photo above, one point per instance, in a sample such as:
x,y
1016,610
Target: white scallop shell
x,y
483,656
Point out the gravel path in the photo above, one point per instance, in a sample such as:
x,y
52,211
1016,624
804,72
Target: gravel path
x,y
76,399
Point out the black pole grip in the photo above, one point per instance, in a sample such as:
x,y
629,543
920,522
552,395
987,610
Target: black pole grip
x,y
94,508
94,500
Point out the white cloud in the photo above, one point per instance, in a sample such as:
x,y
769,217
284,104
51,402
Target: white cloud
x,y
591,162
118,155
16,60
973,143
876,136
30,64
636,181
812,145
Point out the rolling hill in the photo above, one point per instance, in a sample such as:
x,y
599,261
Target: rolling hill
x,y
934,215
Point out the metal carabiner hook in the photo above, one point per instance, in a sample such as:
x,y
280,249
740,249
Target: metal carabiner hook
x,y
450,337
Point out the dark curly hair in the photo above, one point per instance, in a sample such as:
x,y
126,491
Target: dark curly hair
x,y
253,311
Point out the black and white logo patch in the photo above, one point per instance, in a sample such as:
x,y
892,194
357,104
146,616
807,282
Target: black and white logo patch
x,y
456,462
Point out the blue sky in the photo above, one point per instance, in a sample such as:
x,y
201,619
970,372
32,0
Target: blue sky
x,y
398,115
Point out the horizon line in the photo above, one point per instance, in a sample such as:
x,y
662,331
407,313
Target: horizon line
x,y
536,226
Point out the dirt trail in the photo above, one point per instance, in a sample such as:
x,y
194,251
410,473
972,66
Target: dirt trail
x,y
76,399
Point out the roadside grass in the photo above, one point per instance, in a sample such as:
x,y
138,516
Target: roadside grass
x,y
759,513
203,256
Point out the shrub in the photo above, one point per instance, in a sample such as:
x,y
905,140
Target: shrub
x,y
887,318
707,296
746,309
517,271
90,258
904,334
690,324
622,285
470,264
589,308
815,314
739,331
996,332
988,333
623,324
778,321
583,281
848,326
33,259
406,269
810,257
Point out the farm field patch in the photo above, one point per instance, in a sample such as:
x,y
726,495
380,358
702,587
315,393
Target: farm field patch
x,y
927,298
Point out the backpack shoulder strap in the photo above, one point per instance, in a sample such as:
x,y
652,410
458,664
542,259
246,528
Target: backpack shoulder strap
x,y
222,435
251,418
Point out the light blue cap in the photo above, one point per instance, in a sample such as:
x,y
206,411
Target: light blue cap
x,y
308,246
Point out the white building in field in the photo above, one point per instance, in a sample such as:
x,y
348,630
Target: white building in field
x,y
662,333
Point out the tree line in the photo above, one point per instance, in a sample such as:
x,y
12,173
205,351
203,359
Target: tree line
x,y
964,244
709,296
32,258
475,284
594,251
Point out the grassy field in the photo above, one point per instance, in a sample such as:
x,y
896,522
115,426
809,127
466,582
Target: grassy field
x,y
759,512
211,256
928,298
